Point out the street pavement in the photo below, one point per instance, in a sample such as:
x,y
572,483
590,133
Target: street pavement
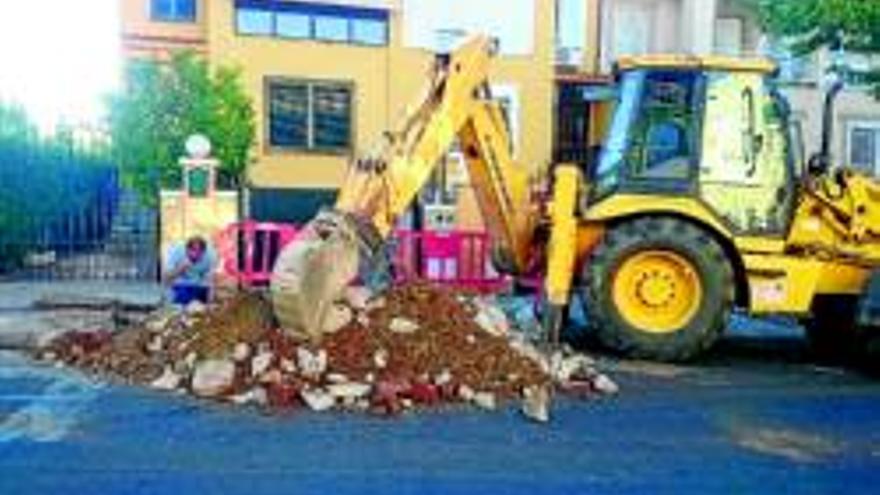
x,y
755,416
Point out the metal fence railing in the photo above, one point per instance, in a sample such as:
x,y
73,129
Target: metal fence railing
x,y
67,216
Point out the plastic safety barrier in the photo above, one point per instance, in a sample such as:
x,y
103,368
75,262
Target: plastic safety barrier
x,y
459,258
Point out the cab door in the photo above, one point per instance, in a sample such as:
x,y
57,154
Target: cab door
x,y
745,174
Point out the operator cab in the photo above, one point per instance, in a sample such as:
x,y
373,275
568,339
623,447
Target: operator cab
x,y
714,128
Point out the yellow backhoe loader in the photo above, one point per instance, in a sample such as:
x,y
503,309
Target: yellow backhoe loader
x,y
699,203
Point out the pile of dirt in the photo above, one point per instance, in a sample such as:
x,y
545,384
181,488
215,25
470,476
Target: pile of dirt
x,y
414,346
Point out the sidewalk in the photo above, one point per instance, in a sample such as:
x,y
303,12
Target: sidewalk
x,y
21,295
22,327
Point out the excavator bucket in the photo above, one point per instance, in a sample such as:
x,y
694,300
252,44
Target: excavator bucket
x,y
312,272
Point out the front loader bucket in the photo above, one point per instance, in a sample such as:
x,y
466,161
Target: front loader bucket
x,y
312,272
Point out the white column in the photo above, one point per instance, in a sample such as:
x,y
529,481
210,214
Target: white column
x,y
698,26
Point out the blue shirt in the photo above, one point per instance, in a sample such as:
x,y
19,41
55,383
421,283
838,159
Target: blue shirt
x,y
200,273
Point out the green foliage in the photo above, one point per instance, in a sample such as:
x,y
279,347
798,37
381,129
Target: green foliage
x,y
163,103
814,24
15,126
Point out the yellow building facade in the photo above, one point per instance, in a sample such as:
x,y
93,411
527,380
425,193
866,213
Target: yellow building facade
x,y
328,77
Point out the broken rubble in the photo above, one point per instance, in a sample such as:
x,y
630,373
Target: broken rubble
x,y
350,390
261,362
491,319
311,364
606,385
168,381
536,403
213,377
402,325
358,296
485,400
256,396
241,352
318,400
415,346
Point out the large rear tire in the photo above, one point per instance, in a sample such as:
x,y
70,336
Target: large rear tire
x,y
659,288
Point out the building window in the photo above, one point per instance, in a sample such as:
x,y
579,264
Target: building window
x,y
318,21
254,21
331,28
173,10
292,25
571,31
306,115
864,146
369,32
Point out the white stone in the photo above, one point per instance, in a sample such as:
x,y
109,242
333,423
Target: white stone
x,y
168,381
311,364
606,385
350,390
338,316
492,319
317,399
337,378
241,352
536,403
485,400
196,307
358,296
466,393
380,359
402,325
288,366
443,378
376,303
564,368
156,344
471,339
213,377
256,396
190,360
260,363
159,323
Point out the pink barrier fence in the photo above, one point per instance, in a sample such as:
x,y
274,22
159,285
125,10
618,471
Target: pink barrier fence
x,y
459,258
248,251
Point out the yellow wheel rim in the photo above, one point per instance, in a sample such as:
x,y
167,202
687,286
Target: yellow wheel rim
x,y
657,291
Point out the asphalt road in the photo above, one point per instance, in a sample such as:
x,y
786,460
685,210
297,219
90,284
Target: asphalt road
x,y
753,417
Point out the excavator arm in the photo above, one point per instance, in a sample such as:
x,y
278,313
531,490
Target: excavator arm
x,y
339,244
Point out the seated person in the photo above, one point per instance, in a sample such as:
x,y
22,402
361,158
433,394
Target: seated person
x,y
190,271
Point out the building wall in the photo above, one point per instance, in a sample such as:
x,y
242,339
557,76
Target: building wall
x,y
385,79
143,36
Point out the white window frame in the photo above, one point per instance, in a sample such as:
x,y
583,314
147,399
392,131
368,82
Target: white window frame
x,y
873,125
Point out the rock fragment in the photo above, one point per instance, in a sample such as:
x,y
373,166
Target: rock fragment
x,y
213,377
536,403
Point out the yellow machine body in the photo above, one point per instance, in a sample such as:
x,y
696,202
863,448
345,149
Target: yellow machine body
x,y
698,202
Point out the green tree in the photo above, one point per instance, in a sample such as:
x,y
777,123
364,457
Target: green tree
x,y
809,25
163,103
16,126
